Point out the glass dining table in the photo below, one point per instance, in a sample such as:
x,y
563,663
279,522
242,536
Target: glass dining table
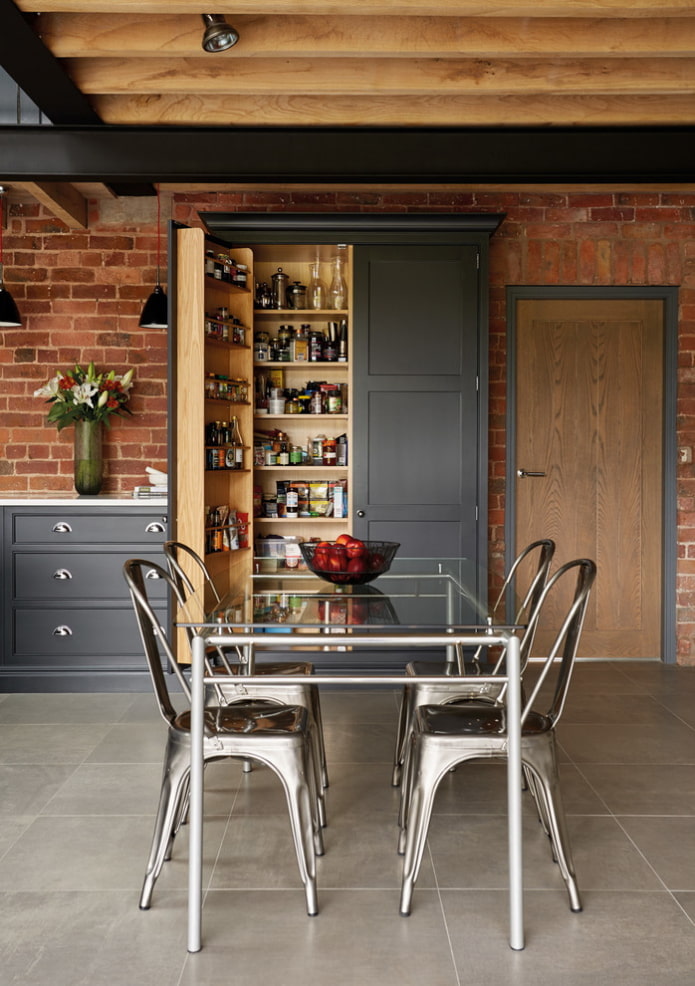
x,y
356,636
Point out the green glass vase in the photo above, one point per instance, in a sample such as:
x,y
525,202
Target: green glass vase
x,y
89,472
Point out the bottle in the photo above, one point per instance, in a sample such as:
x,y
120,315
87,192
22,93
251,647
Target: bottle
x,y
238,444
342,342
292,502
337,293
316,290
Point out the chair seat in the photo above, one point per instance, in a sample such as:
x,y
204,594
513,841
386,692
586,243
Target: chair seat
x,y
481,718
249,717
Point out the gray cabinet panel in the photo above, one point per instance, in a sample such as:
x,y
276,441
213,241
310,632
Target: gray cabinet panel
x,y
72,575
77,637
418,305
420,399
69,526
407,462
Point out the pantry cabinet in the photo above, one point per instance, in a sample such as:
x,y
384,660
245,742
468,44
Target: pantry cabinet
x,y
412,382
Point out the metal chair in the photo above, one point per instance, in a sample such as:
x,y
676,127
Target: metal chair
x,y
446,735
294,692
276,735
416,694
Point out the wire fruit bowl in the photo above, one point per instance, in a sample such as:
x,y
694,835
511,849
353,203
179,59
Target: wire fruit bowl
x,y
331,562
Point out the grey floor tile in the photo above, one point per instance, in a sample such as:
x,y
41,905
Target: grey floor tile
x,y
357,705
131,743
90,939
356,789
629,939
605,858
358,938
43,744
364,855
687,902
644,789
58,707
585,707
58,853
668,843
11,827
653,743
26,788
370,742
108,789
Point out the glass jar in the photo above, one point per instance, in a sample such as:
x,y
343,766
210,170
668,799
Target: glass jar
x,y
316,291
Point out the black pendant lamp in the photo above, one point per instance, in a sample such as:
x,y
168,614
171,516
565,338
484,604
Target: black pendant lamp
x,y
9,315
155,314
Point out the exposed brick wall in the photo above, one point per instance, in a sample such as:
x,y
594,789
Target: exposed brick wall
x,y
81,296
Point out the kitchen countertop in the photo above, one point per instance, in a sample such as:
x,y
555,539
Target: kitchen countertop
x,y
74,499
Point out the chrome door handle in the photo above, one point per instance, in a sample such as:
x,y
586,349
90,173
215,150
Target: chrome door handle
x,y
62,632
62,527
62,574
523,473
360,513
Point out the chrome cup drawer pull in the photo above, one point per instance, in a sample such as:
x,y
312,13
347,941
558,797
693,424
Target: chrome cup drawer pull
x,y
62,631
62,527
154,528
61,574
151,574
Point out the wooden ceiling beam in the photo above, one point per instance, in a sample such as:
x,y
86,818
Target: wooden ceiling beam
x,y
393,8
83,35
396,111
375,77
63,200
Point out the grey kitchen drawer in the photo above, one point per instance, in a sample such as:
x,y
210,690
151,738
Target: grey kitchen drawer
x,y
67,576
77,637
62,527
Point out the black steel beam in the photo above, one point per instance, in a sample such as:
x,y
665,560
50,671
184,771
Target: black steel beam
x,y
37,73
355,155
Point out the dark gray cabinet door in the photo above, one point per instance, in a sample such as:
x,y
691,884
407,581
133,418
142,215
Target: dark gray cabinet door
x,y
417,398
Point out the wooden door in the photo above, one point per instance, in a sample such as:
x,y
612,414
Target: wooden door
x,y
416,405
589,413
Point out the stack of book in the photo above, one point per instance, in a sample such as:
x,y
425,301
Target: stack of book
x,y
158,485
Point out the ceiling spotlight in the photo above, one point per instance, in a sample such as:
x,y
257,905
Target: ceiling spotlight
x,y
218,34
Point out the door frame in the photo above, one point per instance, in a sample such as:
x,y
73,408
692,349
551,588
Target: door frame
x,y
668,295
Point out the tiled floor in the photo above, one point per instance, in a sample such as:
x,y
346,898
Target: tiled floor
x,y
79,776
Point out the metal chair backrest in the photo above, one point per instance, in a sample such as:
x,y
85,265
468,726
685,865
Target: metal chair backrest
x,y
563,649
172,551
524,606
153,634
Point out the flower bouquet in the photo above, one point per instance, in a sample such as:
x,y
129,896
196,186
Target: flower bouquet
x,y
85,395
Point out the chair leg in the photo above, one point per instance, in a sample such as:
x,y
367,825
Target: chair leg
x,y
402,734
428,766
546,782
171,801
296,773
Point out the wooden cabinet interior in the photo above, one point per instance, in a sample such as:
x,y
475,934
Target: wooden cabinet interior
x,y
197,356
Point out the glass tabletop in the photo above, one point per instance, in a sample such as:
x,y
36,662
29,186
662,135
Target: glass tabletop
x,y
416,593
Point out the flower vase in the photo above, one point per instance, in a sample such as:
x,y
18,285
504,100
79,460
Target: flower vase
x,y
88,457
